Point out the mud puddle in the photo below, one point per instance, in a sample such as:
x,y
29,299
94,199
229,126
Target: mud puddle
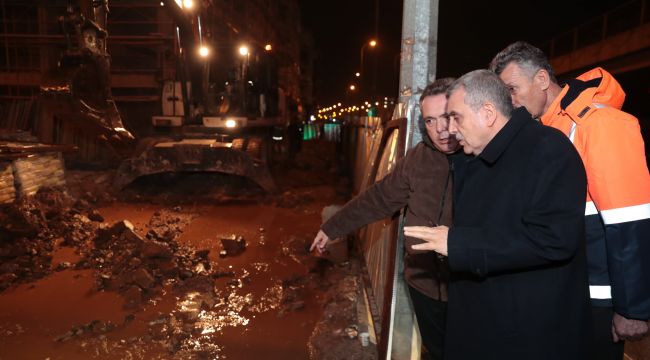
x,y
255,304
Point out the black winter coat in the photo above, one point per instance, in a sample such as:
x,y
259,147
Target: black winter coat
x,y
519,286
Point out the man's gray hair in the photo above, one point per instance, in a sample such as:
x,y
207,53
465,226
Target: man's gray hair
x,y
526,56
483,86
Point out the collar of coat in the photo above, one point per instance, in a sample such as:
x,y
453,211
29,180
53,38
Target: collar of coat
x,y
504,137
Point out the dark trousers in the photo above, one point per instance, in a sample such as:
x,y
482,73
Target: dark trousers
x,y
604,348
431,315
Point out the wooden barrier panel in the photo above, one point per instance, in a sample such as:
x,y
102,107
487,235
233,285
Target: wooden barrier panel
x,y
27,167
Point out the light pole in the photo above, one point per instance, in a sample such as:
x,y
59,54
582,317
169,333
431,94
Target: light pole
x,y
371,43
363,79
244,52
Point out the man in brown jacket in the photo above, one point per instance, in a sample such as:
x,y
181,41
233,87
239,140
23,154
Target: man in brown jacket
x,y
421,181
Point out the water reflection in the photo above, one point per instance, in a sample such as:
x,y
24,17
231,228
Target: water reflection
x,y
208,315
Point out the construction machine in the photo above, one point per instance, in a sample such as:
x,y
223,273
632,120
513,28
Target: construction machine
x,y
213,120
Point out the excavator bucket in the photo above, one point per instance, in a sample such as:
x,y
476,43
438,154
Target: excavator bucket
x,y
242,157
78,90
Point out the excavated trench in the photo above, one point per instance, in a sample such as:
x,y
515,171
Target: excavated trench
x,y
187,266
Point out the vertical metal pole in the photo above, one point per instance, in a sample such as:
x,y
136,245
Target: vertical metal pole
x,y
200,31
182,75
418,68
418,58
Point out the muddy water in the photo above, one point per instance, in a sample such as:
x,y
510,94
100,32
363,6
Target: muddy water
x,y
267,334
36,319
265,310
33,315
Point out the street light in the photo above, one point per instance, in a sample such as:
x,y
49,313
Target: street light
x,y
357,74
268,47
204,51
244,52
371,43
352,87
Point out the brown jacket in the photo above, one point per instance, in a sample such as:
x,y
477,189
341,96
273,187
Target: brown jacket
x,y
418,182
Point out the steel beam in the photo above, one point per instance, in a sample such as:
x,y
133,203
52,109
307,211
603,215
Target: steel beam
x,y
417,58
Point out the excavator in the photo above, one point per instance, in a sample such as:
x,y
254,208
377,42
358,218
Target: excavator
x,y
204,126
211,127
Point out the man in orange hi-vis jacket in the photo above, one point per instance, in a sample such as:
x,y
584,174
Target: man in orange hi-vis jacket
x,y
617,214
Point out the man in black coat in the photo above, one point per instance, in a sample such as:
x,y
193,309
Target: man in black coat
x,y
516,249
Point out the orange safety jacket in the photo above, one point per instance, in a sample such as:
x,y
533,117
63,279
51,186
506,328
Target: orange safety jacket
x,y
617,214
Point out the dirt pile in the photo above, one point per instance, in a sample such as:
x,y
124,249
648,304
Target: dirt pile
x,y
139,266
135,265
31,227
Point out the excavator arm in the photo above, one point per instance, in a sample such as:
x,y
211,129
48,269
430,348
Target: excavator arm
x,y
80,86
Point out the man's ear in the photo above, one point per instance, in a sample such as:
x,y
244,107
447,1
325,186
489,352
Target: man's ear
x,y
542,79
490,113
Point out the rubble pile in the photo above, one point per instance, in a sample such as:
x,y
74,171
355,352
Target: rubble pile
x,y
93,187
30,228
139,266
166,225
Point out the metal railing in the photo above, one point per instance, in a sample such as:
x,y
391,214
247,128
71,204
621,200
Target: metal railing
x,y
622,18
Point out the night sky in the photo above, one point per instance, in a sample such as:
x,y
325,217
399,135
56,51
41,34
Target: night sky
x,y
470,34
